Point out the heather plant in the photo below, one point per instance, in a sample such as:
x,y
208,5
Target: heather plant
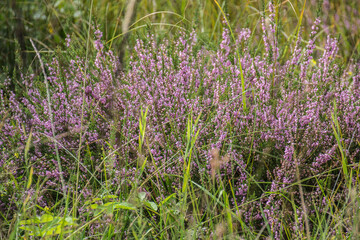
x,y
49,22
166,147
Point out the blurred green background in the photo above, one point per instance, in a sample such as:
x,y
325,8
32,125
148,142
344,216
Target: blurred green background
x,y
48,22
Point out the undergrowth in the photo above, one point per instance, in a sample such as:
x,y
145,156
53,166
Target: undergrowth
x,y
250,138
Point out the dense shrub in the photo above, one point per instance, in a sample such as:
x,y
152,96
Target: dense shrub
x,y
293,109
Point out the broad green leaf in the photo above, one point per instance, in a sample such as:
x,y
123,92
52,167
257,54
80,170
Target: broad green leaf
x,y
46,218
142,196
151,205
125,205
94,206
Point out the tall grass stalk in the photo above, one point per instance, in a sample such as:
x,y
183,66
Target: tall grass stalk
x,y
82,112
51,118
338,136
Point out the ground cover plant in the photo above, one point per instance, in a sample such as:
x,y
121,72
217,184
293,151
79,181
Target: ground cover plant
x,y
251,137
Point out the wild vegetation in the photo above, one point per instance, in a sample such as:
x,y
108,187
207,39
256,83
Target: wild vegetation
x,y
201,120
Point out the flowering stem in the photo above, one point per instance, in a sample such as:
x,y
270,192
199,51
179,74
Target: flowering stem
x,y
51,118
238,55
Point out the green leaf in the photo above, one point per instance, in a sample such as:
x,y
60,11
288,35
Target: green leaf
x,y
108,204
151,205
29,221
70,220
94,206
167,199
33,229
142,196
54,231
91,201
125,205
46,218
109,196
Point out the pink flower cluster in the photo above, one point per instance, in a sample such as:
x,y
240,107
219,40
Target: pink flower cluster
x,y
287,124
